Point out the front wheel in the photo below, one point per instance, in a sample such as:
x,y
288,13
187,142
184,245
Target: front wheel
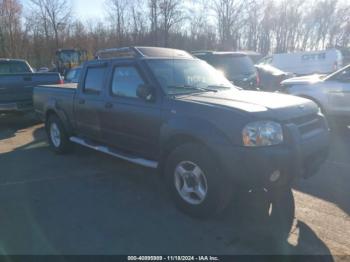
x,y
58,137
282,209
195,181
278,212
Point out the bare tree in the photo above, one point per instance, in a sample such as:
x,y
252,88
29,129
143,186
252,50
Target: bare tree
x,y
54,14
117,11
10,27
229,20
171,14
154,17
139,23
201,31
263,25
252,22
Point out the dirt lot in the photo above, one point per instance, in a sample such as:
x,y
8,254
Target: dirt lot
x,y
90,203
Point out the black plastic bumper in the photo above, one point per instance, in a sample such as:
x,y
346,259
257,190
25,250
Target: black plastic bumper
x,y
298,157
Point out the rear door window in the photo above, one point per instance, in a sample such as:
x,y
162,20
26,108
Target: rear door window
x,y
94,80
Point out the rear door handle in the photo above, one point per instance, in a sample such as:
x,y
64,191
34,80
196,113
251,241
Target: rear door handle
x,y
108,105
81,101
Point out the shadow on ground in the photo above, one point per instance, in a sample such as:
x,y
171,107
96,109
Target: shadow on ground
x,y
90,203
11,123
333,180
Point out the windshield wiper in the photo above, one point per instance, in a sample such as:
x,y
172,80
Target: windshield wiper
x,y
196,88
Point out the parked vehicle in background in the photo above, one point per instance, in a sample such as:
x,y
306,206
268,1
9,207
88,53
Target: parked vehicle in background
x,y
306,63
331,92
66,59
236,66
43,70
16,84
73,75
162,108
254,56
271,77
345,51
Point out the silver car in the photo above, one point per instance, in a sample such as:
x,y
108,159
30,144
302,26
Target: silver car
x,y
330,92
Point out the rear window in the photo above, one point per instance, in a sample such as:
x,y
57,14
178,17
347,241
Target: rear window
x,y
13,67
232,65
94,80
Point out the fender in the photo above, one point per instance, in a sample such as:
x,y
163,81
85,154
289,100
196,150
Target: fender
x,y
53,106
323,107
198,129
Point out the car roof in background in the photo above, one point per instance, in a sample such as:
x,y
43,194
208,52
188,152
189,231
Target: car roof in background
x,y
219,53
270,68
12,60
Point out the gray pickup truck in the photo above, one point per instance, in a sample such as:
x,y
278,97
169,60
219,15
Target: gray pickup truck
x,y
164,109
17,80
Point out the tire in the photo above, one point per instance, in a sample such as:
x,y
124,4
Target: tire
x,y
195,182
270,211
57,135
281,212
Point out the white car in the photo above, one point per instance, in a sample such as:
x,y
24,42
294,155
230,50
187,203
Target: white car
x,y
330,92
306,63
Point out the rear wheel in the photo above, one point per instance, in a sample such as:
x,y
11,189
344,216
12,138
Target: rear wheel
x,y
196,183
58,137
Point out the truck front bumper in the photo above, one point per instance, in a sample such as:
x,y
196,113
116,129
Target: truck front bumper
x,y
21,106
278,166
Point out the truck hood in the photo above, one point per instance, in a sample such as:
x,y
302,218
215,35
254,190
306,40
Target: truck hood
x,y
304,80
262,104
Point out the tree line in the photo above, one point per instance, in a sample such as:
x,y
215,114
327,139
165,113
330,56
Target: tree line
x,y
35,31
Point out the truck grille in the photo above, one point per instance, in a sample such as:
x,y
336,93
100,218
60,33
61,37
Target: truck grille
x,y
308,124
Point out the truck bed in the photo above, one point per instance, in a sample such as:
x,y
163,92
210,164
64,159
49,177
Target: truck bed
x,y
62,86
59,97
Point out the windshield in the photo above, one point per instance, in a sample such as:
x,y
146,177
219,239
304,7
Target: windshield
x,y
187,76
69,56
233,65
330,76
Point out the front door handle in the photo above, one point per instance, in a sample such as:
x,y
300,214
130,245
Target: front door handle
x,y
108,105
81,101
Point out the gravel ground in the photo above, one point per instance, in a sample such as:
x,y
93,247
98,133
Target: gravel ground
x,y
90,203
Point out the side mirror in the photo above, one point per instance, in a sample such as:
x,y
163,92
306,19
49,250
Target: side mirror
x,y
145,92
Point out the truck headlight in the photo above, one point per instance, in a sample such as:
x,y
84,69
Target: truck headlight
x,y
262,133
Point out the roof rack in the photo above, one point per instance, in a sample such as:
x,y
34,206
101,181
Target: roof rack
x,y
118,53
141,51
